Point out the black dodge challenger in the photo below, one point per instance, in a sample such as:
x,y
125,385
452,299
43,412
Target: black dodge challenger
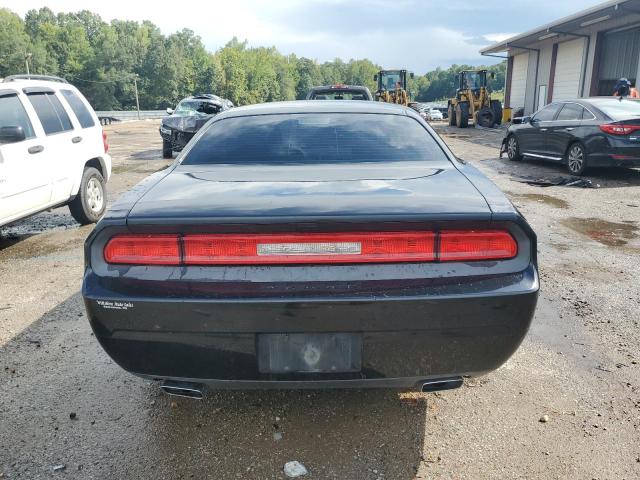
x,y
312,244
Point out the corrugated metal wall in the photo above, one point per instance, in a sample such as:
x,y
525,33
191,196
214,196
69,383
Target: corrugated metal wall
x,y
619,58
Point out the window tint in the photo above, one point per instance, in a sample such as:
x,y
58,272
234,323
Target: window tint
x,y
571,111
79,108
314,138
52,115
547,113
13,114
618,109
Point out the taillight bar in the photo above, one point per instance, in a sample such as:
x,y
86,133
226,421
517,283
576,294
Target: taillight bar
x,y
311,248
618,128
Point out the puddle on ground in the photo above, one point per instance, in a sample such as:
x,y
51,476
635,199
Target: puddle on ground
x,y
40,223
153,154
538,197
608,233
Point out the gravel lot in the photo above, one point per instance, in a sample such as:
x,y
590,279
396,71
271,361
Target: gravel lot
x,y
567,405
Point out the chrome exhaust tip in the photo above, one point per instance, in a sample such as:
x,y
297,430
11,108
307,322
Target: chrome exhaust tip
x,y
183,389
439,384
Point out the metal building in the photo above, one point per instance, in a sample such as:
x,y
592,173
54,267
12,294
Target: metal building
x,y
580,55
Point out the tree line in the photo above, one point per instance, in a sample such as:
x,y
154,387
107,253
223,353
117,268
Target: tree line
x,y
102,59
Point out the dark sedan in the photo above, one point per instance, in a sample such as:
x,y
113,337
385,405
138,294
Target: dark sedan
x,y
189,116
312,244
583,133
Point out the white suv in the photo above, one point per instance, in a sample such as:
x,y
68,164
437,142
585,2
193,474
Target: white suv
x,y
52,150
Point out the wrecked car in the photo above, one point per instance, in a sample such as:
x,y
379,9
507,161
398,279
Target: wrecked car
x,y
189,116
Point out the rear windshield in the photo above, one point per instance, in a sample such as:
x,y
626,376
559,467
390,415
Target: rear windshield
x,y
339,95
618,109
314,138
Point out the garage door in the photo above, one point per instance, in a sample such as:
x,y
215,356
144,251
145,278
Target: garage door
x,y
619,54
566,82
519,80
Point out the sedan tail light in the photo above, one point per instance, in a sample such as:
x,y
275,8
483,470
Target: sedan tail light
x,y
618,128
311,248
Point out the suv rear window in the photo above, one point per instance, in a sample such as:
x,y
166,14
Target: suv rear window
x,y
51,113
339,95
13,114
79,108
314,138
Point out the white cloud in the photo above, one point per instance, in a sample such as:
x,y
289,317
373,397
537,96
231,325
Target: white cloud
x,y
498,37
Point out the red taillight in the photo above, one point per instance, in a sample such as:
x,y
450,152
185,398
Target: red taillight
x,y
143,250
311,248
618,129
105,142
478,245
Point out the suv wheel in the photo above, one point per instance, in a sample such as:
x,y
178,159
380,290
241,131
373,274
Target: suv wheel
x,y
91,200
576,159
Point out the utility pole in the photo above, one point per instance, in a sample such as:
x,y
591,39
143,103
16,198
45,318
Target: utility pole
x,y
26,62
135,85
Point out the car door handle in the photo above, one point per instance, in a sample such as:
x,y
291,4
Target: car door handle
x,y
544,129
569,129
35,149
76,139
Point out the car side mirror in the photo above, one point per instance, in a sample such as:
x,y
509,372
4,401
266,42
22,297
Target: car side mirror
x,y
527,120
12,134
492,75
375,77
411,74
170,111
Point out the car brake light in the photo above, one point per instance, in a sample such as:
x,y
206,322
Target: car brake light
x,y
618,129
105,142
143,250
366,247
311,248
478,245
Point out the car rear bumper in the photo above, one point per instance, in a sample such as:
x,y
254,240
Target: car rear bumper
x,y
405,339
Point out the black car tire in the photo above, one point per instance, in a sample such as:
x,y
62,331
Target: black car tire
x,y
462,115
452,115
91,201
496,106
513,148
485,117
576,159
167,151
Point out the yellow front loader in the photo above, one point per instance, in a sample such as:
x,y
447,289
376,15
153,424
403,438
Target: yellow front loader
x,y
473,101
392,86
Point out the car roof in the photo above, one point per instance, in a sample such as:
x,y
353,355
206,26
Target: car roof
x,y
19,84
318,106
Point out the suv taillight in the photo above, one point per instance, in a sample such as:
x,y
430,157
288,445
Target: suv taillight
x,y
105,142
618,129
311,248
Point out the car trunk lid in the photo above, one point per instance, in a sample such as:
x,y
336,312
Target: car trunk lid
x,y
279,193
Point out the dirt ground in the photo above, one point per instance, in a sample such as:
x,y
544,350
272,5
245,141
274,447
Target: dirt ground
x,y
67,411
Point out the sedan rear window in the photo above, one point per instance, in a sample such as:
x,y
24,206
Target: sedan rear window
x,y
314,138
618,109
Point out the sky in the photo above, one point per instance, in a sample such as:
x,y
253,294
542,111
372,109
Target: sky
x,y
419,35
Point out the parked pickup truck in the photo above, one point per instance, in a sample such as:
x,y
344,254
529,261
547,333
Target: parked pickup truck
x,y
53,151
